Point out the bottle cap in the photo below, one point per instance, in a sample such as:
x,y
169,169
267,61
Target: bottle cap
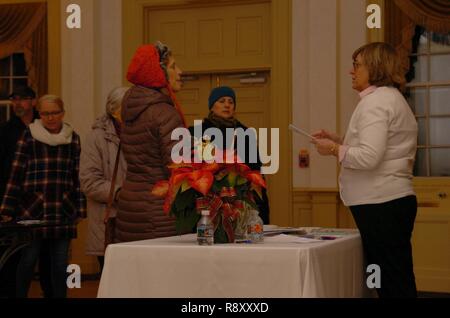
x,y
205,212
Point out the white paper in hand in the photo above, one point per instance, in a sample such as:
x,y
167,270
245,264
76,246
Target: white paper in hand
x,y
300,131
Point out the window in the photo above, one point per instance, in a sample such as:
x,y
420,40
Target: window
x,y
429,97
13,73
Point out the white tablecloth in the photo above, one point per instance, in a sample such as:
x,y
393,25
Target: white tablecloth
x,y
178,267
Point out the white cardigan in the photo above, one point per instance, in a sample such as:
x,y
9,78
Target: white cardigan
x,y
382,142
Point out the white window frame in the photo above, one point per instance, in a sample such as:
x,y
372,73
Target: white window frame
x,y
429,85
6,102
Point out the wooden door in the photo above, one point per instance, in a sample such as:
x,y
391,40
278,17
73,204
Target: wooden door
x,y
252,96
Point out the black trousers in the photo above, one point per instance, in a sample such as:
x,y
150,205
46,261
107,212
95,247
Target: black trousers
x,y
8,275
45,276
386,230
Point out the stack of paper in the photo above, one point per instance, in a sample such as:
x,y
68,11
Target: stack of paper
x,y
284,238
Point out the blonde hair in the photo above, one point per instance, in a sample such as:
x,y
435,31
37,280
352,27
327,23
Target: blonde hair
x,y
114,101
383,64
50,99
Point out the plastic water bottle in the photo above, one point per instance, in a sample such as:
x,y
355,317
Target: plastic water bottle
x,y
205,229
255,227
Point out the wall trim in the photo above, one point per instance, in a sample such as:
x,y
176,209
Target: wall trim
x,y
320,207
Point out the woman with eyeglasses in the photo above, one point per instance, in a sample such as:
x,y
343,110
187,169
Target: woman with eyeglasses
x,y
150,113
377,158
44,186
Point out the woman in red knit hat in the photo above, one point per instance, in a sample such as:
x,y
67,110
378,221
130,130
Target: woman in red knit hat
x,y
150,113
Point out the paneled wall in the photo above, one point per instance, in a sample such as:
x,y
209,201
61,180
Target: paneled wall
x,y
320,208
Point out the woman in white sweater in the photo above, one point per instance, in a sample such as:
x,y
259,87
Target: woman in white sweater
x,y
377,158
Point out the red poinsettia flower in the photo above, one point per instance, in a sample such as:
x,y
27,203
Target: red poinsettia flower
x,y
201,180
256,178
161,188
201,176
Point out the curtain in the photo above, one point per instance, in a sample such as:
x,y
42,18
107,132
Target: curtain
x,y
23,27
403,17
433,15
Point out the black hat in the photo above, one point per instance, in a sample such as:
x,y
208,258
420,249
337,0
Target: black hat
x,y
23,91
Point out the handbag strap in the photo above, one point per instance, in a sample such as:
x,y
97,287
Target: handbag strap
x,y
113,186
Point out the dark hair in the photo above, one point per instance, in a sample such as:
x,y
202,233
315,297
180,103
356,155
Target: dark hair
x,y
23,91
383,64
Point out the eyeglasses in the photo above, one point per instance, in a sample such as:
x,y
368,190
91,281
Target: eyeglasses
x,y
48,114
18,98
356,65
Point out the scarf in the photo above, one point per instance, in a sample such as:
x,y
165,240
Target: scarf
x,y
64,137
220,122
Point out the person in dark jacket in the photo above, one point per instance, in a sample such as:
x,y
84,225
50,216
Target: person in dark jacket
x,y
44,186
149,113
23,101
222,106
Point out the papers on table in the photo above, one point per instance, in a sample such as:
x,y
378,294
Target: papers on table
x,y
284,238
274,230
273,233
332,232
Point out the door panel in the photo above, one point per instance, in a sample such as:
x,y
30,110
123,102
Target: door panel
x,y
252,97
193,98
213,37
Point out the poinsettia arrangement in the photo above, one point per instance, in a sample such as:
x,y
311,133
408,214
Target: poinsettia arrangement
x,y
226,189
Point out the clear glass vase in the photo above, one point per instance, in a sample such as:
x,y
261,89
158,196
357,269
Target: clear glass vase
x,y
241,227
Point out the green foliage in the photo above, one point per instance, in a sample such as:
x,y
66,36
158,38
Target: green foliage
x,y
184,210
220,236
219,184
186,221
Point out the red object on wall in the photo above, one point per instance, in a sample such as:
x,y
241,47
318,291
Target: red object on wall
x,y
303,158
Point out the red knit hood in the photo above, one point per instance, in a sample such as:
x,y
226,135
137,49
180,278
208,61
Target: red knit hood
x,y
145,70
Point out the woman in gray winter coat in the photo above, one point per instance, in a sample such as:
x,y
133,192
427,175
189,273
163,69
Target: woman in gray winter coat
x,y
96,169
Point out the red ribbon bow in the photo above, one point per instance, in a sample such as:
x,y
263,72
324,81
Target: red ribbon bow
x,y
225,205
